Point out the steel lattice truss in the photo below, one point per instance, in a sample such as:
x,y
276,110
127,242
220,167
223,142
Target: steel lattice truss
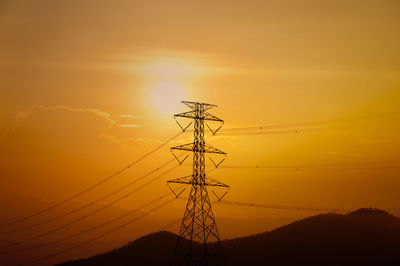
x,y
198,242
198,148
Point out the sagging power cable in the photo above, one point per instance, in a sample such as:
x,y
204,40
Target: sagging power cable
x,y
104,180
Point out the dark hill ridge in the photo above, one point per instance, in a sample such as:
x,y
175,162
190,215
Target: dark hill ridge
x,y
153,249
363,237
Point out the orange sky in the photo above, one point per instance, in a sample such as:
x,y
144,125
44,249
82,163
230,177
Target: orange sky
x,y
82,88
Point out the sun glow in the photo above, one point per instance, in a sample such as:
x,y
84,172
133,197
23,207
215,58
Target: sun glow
x,y
168,79
166,97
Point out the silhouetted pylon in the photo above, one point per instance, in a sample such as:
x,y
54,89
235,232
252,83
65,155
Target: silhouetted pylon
x,y
198,241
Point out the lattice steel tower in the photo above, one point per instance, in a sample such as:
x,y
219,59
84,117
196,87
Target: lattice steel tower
x,y
198,242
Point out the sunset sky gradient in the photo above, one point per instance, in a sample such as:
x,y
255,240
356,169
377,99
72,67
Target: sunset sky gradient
x,y
86,87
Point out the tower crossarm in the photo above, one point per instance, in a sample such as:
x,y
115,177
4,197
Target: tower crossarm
x,y
182,180
188,180
211,182
189,114
210,149
191,147
210,117
193,115
192,105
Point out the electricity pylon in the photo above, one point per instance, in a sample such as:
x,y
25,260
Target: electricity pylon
x,y
198,241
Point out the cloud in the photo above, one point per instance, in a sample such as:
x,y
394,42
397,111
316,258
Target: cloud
x,y
22,115
126,142
128,116
129,125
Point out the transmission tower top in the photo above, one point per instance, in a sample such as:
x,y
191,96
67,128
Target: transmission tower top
x,y
199,113
193,104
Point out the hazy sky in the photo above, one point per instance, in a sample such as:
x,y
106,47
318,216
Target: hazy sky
x,y
88,86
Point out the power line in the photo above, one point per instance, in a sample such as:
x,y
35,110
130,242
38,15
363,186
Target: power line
x,y
282,207
278,132
92,186
263,129
302,124
297,208
92,228
88,204
330,167
276,126
170,224
287,207
95,211
100,236
269,129
289,125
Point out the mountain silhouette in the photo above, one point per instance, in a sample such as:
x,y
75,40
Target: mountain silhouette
x,y
363,237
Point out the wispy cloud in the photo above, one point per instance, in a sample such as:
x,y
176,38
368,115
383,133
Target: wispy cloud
x,y
127,143
128,116
124,143
21,115
129,125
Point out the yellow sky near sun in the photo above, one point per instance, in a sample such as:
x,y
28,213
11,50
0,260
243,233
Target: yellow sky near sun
x,y
81,95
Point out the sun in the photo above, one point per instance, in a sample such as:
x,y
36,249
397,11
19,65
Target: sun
x,y
166,97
